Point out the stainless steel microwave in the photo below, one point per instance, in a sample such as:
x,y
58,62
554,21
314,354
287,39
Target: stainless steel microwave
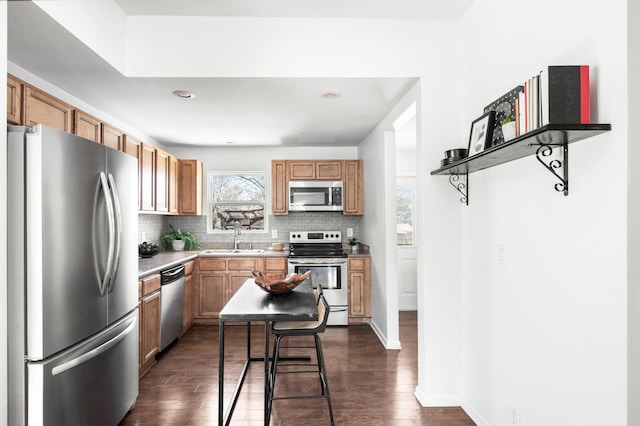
x,y
315,196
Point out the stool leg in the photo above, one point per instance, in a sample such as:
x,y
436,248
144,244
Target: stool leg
x,y
323,375
274,370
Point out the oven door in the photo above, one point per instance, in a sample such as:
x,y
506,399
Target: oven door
x,y
331,275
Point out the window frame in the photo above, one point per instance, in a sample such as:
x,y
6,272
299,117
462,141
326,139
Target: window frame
x,y
211,203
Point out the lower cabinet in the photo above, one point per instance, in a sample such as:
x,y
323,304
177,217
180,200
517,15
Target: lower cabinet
x,y
219,278
359,289
149,322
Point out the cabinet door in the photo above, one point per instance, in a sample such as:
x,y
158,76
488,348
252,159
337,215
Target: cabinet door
x,y
302,170
187,317
147,172
235,280
329,170
150,327
190,188
353,188
211,294
131,146
87,126
112,137
173,185
279,204
14,100
162,181
359,287
41,108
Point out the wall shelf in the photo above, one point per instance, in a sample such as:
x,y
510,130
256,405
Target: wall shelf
x,y
540,142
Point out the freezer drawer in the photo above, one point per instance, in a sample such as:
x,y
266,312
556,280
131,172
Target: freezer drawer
x,y
95,382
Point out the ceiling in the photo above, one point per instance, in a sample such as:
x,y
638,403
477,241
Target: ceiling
x,y
238,111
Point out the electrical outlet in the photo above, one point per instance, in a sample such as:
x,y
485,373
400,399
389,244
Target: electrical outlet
x,y
274,233
502,255
349,232
515,417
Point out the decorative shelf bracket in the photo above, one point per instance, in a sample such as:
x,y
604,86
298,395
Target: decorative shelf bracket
x,y
461,187
544,150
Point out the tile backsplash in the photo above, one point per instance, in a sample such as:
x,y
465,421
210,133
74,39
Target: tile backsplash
x,y
154,226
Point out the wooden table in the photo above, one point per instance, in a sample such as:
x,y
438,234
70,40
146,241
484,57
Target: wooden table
x,y
249,304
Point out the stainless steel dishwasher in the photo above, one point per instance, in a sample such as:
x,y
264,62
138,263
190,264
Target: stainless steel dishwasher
x,y
171,304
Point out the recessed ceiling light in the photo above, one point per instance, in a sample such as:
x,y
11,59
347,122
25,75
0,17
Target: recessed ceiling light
x,y
330,95
184,94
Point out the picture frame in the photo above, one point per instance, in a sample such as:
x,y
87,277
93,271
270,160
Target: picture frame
x,y
481,133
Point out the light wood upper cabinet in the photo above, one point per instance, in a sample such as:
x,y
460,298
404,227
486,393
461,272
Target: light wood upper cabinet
x,y
353,188
173,190
279,204
147,177
112,137
190,187
162,181
131,146
87,126
329,170
14,100
42,108
302,170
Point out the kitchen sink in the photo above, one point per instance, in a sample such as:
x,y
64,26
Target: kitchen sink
x,y
236,252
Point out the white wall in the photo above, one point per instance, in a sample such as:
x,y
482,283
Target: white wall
x,y
633,218
546,333
3,220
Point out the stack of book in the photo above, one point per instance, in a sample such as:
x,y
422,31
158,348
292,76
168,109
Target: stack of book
x,y
558,95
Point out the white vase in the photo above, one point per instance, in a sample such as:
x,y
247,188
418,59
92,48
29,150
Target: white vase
x,y
178,245
354,248
509,130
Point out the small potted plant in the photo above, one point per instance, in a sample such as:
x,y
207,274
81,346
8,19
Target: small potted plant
x,y
178,240
353,242
508,126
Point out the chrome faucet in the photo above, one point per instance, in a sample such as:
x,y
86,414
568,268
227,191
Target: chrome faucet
x,y
236,234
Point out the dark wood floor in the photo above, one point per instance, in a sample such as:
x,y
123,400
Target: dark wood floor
x,y
369,385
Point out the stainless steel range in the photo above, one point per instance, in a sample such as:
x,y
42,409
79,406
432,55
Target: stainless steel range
x,y
321,253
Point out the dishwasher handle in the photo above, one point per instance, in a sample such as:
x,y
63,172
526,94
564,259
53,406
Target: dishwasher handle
x,y
170,275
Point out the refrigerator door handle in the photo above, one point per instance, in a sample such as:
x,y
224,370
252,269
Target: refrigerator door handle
x,y
106,279
117,230
59,369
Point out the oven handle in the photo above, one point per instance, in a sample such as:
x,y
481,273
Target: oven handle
x,y
318,261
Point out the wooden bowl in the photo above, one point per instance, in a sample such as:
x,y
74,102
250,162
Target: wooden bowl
x,y
278,283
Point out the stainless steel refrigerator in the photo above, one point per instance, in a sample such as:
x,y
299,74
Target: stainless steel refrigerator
x,y
72,279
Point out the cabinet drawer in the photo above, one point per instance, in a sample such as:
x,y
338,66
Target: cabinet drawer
x,y
150,284
213,264
242,264
275,264
189,267
357,264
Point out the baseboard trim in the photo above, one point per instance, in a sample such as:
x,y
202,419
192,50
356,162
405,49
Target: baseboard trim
x,y
436,400
383,339
477,418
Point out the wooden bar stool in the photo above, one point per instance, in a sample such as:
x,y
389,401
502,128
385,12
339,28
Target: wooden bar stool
x,y
281,329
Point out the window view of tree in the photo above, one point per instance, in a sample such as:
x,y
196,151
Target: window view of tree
x,y
404,220
236,198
